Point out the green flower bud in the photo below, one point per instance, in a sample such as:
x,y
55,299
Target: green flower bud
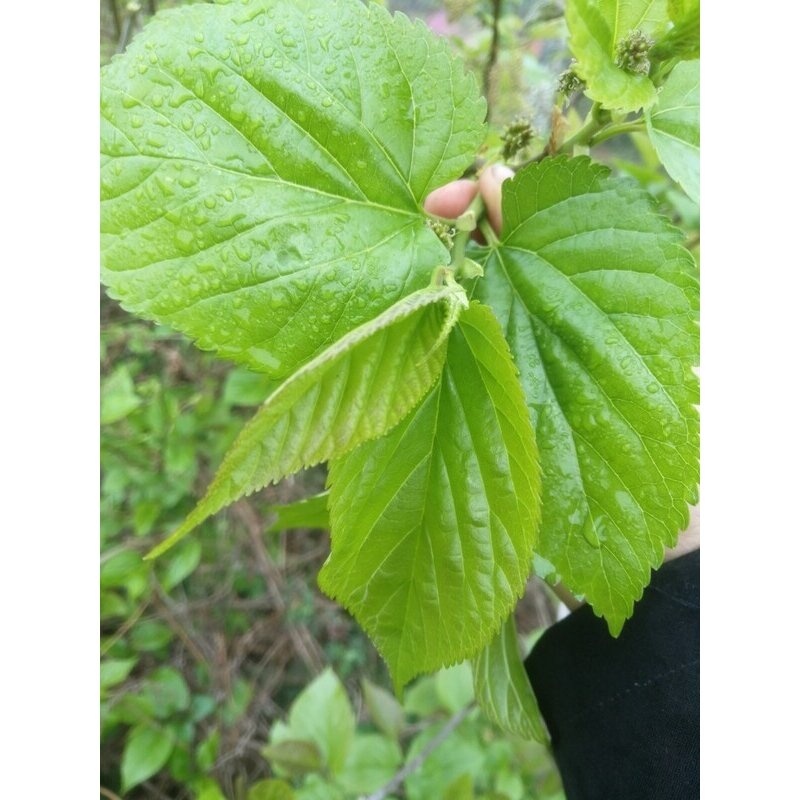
x,y
444,231
569,82
516,137
633,52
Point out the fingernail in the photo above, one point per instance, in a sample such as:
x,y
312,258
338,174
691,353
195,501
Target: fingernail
x,y
501,172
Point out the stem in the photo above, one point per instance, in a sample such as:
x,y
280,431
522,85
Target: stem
x,y
634,126
584,135
594,130
488,232
497,9
414,765
464,225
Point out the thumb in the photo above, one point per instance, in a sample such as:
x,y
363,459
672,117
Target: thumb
x,y
490,184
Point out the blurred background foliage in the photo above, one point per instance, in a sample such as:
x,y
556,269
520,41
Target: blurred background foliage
x,y
225,673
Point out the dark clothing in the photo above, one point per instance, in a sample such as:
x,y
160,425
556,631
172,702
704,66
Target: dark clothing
x,y
624,714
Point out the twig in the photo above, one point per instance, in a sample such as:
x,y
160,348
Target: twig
x,y
124,628
115,16
416,763
497,9
169,613
305,644
128,24
109,794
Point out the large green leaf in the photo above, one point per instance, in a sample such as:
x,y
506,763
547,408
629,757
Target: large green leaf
x,y
264,165
599,301
433,526
503,689
674,126
354,391
595,29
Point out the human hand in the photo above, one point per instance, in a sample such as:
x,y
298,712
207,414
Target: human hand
x,y
452,200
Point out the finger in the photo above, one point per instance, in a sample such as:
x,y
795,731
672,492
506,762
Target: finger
x,y
451,200
490,184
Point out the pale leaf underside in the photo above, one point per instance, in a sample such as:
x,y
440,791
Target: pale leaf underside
x,y
502,687
674,126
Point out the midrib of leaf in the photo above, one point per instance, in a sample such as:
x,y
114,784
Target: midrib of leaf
x,y
286,88
262,178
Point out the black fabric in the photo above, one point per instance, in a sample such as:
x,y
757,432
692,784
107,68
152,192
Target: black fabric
x,y
624,714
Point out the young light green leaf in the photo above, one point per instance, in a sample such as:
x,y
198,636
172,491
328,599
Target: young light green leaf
x,y
264,166
322,714
596,29
674,126
599,303
354,391
115,670
433,526
682,40
294,756
372,762
270,789
310,512
118,396
502,687
147,749
384,710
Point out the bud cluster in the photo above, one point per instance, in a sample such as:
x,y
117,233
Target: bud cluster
x,y
444,231
569,82
516,136
633,52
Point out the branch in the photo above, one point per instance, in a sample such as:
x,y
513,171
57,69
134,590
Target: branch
x,y
497,9
414,765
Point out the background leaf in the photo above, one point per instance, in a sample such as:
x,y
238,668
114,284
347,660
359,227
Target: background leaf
x,y
433,526
147,749
321,713
118,396
371,762
310,512
266,158
384,710
599,300
331,405
674,126
503,689
595,28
